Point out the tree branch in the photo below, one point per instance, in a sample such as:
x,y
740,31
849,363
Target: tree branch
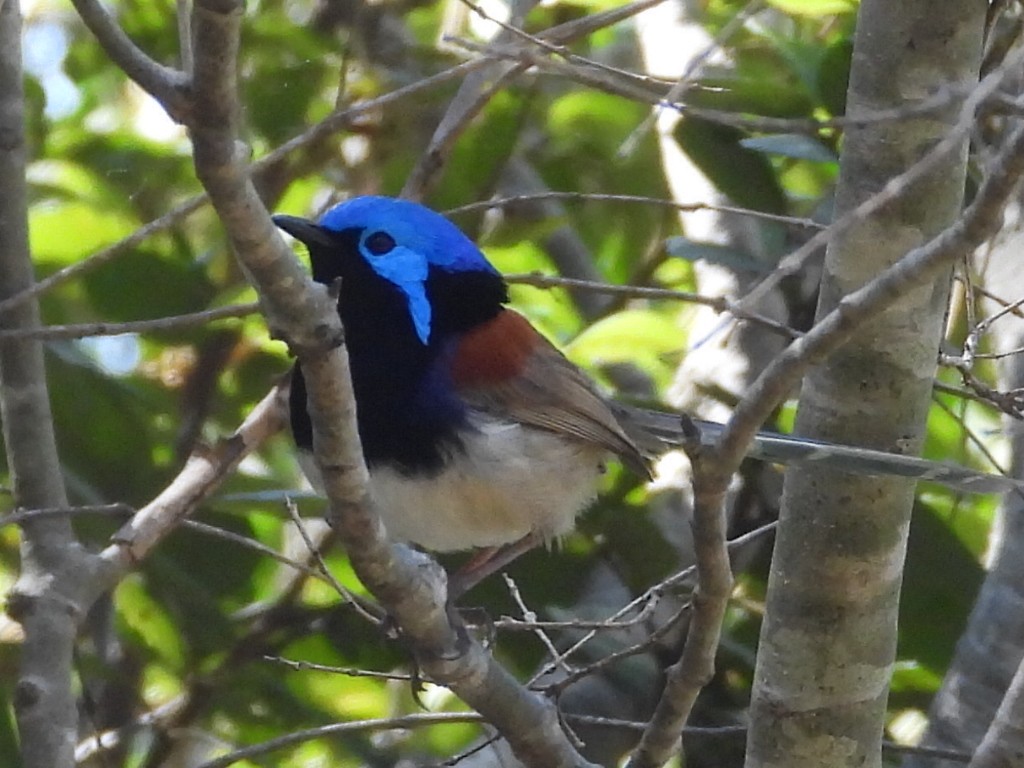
x,y
1003,744
201,476
169,323
53,564
696,665
409,584
168,86
979,221
776,382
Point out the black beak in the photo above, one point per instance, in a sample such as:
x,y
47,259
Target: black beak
x,y
303,230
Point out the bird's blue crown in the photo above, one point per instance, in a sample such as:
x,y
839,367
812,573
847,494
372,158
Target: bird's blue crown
x,y
412,226
402,241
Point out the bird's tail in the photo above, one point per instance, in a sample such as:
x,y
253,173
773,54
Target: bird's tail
x,y
668,429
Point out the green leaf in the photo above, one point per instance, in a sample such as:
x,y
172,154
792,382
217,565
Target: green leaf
x,y
746,177
781,95
815,7
833,76
116,461
145,283
638,336
303,70
148,620
685,248
940,583
480,155
71,181
65,232
795,145
8,726
594,122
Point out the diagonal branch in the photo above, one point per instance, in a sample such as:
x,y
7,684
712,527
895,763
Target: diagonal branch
x,y
409,584
980,220
168,86
481,86
712,472
1004,741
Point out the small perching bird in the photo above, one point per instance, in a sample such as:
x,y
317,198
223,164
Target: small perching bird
x,y
478,433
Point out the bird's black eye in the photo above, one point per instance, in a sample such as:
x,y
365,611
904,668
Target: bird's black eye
x,y
379,243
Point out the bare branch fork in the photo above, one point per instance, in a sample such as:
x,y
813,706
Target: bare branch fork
x,y
979,221
987,89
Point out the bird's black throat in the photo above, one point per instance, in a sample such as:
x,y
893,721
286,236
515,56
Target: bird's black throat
x,y
408,414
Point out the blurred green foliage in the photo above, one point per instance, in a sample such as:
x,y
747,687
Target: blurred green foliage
x,y
198,618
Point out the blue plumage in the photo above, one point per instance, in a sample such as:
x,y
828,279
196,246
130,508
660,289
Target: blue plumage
x,y
401,241
429,234
411,282
476,430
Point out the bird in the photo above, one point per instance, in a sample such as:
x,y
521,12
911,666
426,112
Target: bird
x,y
478,433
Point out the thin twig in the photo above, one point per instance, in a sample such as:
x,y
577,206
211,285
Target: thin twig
x,y
648,642
973,437
1010,402
251,544
171,323
530,616
646,601
502,202
685,82
298,737
372,613
718,303
22,515
301,666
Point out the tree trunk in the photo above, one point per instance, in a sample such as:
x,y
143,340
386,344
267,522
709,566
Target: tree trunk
x,y
43,699
828,639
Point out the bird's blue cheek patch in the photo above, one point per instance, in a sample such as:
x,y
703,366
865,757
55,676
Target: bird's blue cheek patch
x,y
407,270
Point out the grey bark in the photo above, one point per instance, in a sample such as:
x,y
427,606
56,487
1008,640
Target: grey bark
x,y
828,640
42,600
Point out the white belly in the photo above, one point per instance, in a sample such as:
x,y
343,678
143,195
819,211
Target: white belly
x,y
509,481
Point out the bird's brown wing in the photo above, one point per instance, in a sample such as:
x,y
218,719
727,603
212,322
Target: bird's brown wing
x,y
506,368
